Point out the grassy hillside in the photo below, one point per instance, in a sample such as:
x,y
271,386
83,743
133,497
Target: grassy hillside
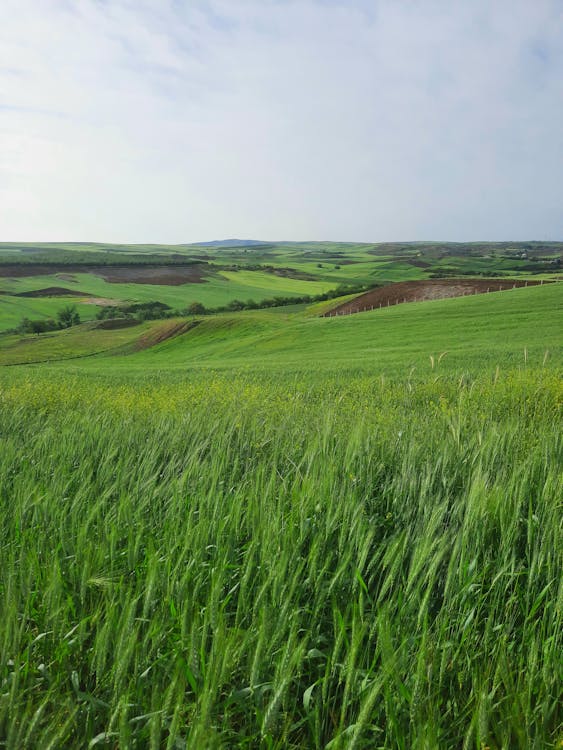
x,y
13,309
474,333
218,289
271,529
471,334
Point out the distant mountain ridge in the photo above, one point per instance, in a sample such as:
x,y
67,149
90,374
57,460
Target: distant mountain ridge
x,y
227,243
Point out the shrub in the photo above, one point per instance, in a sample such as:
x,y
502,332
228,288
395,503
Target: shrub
x,y
68,317
37,326
196,308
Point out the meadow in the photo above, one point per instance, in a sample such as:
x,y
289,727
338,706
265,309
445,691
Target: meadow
x,y
264,562
275,530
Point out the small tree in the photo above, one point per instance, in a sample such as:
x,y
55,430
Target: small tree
x,y
196,308
68,317
25,326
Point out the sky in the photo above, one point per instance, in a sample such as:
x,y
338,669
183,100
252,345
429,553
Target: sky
x,y
175,121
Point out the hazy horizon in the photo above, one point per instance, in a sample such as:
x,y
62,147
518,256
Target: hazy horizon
x,y
253,240
161,122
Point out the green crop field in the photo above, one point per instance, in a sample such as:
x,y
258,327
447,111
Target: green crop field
x,y
257,272
268,529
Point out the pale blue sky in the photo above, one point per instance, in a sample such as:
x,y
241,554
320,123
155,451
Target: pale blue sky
x,y
176,121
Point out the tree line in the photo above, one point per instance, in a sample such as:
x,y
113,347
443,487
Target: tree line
x,y
158,310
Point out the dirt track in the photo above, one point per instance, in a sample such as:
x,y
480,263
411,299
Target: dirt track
x,y
420,291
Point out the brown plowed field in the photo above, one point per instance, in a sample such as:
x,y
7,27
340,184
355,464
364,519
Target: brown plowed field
x,y
166,275
53,291
172,275
420,291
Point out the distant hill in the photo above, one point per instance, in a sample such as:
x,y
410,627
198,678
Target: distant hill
x,y
227,243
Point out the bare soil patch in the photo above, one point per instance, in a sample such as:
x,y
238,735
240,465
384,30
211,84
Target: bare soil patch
x,y
101,301
419,291
59,291
166,275
53,291
15,270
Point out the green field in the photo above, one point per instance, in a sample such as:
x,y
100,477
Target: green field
x,y
249,273
268,529
218,290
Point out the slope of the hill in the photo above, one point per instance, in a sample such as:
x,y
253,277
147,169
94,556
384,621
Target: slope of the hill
x,y
519,327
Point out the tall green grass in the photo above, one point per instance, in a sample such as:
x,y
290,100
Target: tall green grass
x,y
282,564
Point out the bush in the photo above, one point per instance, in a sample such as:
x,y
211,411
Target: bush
x,y
196,308
68,317
37,326
236,305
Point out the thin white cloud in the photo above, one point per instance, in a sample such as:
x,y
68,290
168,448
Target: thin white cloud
x,y
167,121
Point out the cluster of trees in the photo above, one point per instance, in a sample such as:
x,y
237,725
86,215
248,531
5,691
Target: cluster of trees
x,y
543,265
140,311
66,318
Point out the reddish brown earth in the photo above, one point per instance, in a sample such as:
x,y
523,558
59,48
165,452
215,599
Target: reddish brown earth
x,y
173,275
419,291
